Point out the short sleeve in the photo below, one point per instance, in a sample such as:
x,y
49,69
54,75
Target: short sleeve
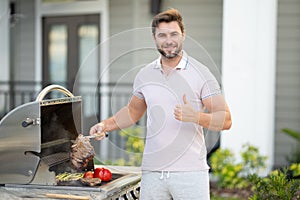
x,y
210,86
137,87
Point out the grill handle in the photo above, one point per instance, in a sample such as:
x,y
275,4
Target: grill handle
x,y
50,88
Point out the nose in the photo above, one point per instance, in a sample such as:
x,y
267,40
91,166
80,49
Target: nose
x,y
169,40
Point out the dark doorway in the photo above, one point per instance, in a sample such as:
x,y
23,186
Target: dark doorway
x,y
67,40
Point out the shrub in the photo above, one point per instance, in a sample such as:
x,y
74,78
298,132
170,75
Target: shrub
x,y
295,170
295,156
276,186
234,175
134,145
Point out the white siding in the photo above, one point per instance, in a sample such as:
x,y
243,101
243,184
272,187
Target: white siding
x,y
4,50
288,81
203,22
129,30
22,42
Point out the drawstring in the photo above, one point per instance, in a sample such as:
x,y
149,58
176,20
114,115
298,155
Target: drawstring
x,y
162,175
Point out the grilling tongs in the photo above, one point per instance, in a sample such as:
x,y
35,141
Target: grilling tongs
x,y
95,135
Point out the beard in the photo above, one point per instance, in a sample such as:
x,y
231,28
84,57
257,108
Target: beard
x,y
172,54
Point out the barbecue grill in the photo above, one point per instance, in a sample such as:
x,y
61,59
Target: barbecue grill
x,y
35,145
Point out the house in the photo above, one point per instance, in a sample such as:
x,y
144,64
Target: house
x,y
252,46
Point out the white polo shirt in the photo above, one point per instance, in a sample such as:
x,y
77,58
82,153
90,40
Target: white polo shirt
x,y
173,145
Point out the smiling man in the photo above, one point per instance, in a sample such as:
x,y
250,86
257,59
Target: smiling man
x,y
174,89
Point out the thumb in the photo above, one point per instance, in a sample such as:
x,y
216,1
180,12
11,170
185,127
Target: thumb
x,y
185,101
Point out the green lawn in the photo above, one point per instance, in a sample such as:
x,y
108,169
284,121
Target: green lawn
x,y
223,198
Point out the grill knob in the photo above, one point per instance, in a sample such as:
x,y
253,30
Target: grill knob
x,y
27,122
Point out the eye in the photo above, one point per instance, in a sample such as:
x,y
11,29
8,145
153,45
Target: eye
x,y
161,35
175,34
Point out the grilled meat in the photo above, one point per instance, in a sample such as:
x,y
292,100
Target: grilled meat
x,y
82,152
90,181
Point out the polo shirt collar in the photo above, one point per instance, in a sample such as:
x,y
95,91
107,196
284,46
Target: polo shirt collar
x,y
181,65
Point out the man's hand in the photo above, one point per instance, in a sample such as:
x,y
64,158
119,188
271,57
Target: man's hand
x,y
185,112
99,130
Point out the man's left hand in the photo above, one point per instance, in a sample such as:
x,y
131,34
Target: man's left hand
x,y
185,112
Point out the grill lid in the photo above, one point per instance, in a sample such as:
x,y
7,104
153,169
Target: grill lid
x,y
15,141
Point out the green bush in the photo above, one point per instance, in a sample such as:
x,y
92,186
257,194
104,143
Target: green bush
x,y
231,174
134,146
295,169
274,187
295,156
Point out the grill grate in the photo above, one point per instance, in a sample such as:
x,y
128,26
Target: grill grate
x,y
55,159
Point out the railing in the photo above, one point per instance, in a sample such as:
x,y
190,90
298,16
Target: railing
x,y
15,93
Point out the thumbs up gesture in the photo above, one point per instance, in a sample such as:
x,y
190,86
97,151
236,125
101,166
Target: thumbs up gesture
x,y
185,112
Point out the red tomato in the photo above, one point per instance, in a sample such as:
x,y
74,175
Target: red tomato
x,y
88,174
103,173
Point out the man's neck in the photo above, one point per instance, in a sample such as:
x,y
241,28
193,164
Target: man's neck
x,y
171,62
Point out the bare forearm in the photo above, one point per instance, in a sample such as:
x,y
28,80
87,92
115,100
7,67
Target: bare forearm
x,y
122,119
216,121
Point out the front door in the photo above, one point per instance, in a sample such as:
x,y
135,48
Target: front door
x,y
67,41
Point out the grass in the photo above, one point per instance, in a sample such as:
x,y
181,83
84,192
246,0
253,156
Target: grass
x,y
223,198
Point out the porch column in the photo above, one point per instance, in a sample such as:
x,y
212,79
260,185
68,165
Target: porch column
x,y
249,58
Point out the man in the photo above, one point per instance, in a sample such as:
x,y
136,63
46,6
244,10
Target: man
x,y
175,90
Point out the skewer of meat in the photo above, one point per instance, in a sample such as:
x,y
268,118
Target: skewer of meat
x,y
82,152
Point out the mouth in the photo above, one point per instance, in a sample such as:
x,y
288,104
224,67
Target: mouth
x,y
169,48
169,51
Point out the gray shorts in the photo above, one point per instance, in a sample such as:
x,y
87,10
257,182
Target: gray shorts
x,y
175,185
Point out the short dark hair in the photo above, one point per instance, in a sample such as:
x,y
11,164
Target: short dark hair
x,y
167,16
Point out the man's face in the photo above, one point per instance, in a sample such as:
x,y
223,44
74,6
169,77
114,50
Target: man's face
x,y
168,39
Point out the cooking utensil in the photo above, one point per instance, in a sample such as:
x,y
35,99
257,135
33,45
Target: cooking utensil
x,y
95,135
66,196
